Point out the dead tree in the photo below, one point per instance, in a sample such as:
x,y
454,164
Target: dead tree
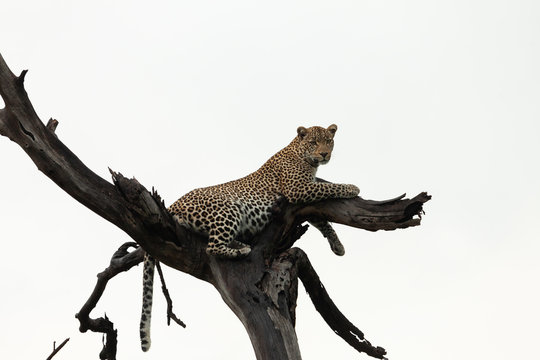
x,y
260,289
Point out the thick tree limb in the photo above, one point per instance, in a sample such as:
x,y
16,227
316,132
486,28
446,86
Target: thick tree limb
x,y
261,289
281,284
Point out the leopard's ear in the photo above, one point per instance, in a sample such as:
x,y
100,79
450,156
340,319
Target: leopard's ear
x,y
332,128
302,132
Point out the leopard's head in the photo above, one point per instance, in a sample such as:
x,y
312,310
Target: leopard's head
x,y
316,143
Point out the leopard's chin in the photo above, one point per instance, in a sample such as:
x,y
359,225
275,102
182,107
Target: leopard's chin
x,y
316,162
313,162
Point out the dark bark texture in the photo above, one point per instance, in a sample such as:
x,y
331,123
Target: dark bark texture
x,y
260,289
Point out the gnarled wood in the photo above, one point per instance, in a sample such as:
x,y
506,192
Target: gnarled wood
x,y
261,289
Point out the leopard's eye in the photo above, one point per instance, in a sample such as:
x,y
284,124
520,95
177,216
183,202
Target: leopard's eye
x,y
313,142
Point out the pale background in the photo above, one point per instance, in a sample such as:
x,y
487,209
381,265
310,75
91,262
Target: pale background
x,y
428,96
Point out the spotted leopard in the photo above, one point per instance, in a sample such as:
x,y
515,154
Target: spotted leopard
x,y
223,212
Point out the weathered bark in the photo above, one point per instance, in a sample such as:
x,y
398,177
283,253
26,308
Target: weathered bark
x,y
261,289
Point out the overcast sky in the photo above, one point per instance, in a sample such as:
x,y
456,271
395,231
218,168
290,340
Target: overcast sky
x,y
428,96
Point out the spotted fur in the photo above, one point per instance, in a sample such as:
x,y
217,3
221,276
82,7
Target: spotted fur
x,y
223,212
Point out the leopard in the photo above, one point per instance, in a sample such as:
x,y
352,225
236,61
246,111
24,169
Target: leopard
x,y
228,212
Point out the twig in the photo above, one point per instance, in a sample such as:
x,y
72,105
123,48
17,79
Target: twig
x,y
170,313
57,349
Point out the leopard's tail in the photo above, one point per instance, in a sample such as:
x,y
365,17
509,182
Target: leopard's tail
x,y
148,286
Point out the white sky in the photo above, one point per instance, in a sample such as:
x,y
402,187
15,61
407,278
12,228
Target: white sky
x,y
428,96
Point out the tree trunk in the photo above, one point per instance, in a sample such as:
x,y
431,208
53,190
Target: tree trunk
x,y
260,289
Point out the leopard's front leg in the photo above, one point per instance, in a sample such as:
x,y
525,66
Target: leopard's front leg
x,y
316,191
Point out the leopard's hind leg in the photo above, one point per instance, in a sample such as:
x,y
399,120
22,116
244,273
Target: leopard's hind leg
x,y
328,232
222,233
218,245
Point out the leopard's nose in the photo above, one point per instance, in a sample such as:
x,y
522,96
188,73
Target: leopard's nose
x,y
324,155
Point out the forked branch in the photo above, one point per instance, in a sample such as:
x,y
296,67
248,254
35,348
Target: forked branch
x,y
170,314
122,260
